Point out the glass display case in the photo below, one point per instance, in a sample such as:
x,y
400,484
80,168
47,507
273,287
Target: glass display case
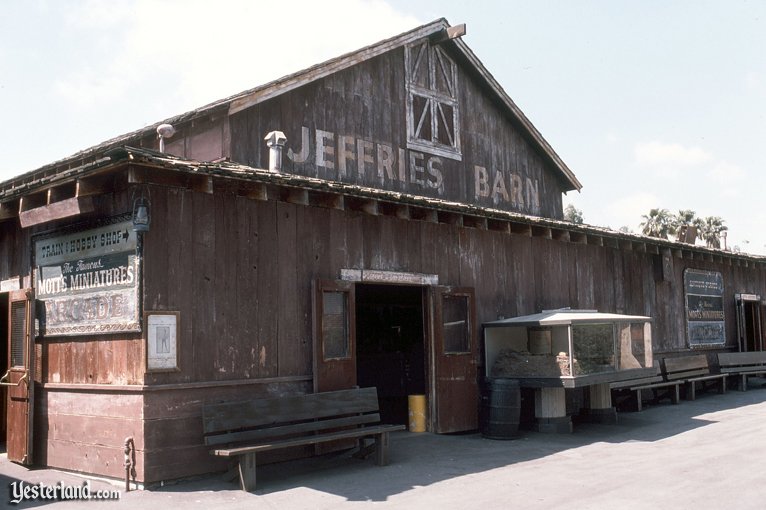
x,y
568,348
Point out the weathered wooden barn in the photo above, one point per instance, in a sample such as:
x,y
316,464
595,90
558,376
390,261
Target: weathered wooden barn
x,y
412,202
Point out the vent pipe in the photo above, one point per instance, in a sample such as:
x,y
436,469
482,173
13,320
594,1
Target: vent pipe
x,y
275,140
164,131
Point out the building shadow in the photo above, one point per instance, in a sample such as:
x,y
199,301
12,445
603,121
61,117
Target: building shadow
x,y
423,459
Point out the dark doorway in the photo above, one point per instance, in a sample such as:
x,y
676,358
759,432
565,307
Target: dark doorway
x,y
749,322
390,345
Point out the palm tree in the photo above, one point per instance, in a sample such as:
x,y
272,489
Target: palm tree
x,y
657,223
710,231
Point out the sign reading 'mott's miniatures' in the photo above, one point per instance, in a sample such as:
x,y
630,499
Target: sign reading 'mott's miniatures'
x,y
705,324
88,281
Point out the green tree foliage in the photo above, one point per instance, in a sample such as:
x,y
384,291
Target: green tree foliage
x,y
658,223
661,223
686,217
573,214
710,231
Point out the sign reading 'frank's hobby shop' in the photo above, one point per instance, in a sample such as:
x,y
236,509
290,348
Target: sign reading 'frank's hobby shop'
x,y
88,281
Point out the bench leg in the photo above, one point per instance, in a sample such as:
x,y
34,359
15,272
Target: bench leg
x,y
743,383
639,403
722,382
691,390
247,472
381,449
675,395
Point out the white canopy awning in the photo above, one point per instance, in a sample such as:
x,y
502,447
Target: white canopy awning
x,y
565,317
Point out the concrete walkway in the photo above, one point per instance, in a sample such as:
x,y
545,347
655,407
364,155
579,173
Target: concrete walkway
x,y
706,454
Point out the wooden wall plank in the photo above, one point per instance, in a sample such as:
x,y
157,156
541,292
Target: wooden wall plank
x,y
203,308
268,285
291,347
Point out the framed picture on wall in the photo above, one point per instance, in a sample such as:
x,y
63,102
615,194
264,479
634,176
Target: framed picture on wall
x,y
162,341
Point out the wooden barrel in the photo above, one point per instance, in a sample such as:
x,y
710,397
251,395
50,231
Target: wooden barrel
x,y
501,408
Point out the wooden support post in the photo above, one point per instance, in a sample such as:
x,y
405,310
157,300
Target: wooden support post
x,y
402,212
543,232
521,229
247,472
296,196
499,226
578,237
551,411
601,409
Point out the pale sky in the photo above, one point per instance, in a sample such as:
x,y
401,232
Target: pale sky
x,y
650,103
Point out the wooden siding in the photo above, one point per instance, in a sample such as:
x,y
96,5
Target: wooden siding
x,y
240,270
362,110
240,273
86,430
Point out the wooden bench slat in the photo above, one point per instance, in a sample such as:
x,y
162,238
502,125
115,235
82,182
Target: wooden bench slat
x,y
684,363
663,384
263,412
686,374
748,370
742,364
286,430
692,370
631,383
637,386
707,377
742,358
273,423
300,441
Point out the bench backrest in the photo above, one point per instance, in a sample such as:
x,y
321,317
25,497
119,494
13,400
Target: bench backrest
x,y
741,359
269,418
685,366
649,379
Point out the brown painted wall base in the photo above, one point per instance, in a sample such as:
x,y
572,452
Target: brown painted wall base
x,y
84,429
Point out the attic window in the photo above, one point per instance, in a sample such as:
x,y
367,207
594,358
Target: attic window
x,y
432,107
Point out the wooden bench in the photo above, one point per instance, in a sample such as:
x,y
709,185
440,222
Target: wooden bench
x,y
657,384
742,364
242,429
692,370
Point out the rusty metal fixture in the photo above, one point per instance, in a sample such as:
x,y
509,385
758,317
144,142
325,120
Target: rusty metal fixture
x,y
129,449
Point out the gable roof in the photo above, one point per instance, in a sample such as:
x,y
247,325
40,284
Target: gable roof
x,y
256,95
259,94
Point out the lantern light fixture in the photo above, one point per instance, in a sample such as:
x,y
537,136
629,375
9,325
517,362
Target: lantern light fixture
x,y
142,215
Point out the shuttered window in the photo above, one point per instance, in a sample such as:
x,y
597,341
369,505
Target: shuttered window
x,y
18,326
432,101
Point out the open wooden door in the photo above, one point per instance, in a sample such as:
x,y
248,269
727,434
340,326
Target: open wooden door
x,y
454,402
334,336
19,379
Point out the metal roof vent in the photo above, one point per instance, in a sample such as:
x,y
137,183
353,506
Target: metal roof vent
x,y
164,131
275,140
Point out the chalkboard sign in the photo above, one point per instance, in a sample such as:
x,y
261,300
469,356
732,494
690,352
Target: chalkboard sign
x,y
705,322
